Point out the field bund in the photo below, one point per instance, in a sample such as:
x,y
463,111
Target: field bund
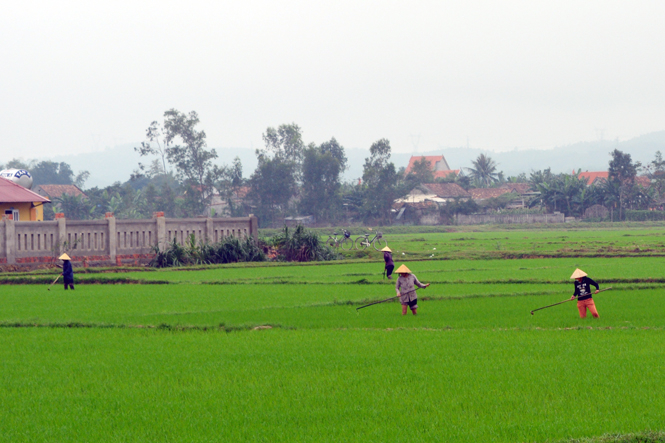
x,y
279,352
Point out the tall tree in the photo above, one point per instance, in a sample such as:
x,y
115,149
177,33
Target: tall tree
x,y
156,144
272,186
228,181
622,173
52,173
278,172
285,144
483,172
380,182
336,151
321,181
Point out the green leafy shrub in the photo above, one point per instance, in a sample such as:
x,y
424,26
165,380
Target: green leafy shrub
x,y
301,245
228,250
631,215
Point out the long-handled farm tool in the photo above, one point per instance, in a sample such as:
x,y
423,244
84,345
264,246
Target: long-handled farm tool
x,y
377,302
54,281
567,300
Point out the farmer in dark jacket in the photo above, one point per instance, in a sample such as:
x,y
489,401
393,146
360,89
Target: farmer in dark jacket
x,y
67,271
388,258
583,293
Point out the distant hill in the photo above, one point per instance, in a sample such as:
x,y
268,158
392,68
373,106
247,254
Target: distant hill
x,y
587,156
117,164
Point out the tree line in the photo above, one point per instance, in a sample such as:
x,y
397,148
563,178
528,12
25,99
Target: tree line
x,y
177,175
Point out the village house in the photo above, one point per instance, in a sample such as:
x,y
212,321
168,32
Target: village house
x,y
19,203
220,206
424,201
594,177
597,177
438,163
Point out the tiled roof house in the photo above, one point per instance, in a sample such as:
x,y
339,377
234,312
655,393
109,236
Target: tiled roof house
x,y
597,176
447,190
57,191
438,164
486,193
19,203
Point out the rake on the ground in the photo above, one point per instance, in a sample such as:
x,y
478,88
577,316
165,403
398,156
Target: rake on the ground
x,y
567,300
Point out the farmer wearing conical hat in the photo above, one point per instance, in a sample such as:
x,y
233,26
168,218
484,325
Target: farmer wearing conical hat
x,y
388,258
406,289
583,293
67,271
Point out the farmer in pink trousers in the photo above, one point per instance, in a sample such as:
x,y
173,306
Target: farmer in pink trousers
x,y
583,293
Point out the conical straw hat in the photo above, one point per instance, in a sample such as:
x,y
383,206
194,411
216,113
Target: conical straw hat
x,y
578,273
403,270
64,257
386,249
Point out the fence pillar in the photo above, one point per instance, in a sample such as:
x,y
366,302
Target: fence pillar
x,y
62,234
253,226
209,237
112,236
10,241
161,230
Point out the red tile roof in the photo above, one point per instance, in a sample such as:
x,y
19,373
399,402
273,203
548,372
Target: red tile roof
x,y
243,191
643,181
593,176
11,192
432,159
447,190
485,193
520,188
56,191
443,174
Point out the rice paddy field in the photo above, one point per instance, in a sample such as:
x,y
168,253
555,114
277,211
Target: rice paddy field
x,y
274,352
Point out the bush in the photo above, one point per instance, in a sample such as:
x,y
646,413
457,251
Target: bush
x,y
228,250
301,244
298,244
631,215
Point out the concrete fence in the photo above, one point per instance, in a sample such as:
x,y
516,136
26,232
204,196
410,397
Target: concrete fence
x,y
477,219
110,241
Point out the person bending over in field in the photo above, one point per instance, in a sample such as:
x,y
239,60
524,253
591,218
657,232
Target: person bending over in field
x,y
67,271
583,293
388,258
406,290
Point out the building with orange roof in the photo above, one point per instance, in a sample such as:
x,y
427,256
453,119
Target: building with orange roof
x,y
57,191
600,176
594,177
487,193
437,163
19,203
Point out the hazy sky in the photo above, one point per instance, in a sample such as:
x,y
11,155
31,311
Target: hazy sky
x,y
78,76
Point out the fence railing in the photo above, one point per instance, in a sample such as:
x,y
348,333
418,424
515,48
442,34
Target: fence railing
x,y
110,240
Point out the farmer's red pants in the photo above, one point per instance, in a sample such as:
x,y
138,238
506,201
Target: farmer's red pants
x,y
582,305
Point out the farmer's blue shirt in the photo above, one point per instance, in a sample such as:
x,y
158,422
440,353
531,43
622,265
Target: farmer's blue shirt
x,y
583,288
67,271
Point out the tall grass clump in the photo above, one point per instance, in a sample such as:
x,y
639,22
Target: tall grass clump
x,y
227,250
300,244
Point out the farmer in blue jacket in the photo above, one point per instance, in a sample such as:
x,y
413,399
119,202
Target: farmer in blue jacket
x,y
388,258
67,271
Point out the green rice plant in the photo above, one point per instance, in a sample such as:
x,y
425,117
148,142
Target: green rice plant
x,y
154,385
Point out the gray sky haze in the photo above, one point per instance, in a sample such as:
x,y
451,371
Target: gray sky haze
x,y
79,76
